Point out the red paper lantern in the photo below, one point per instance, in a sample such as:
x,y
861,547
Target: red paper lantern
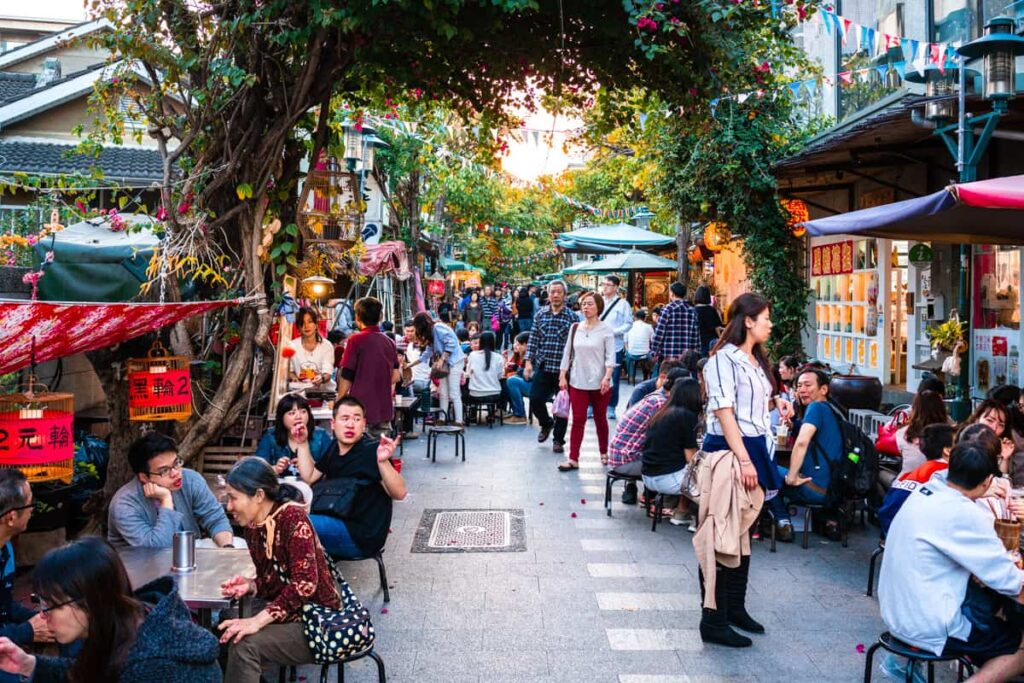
x,y
435,285
36,434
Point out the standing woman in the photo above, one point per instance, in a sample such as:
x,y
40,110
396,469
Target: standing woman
x,y
440,343
741,391
586,371
524,310
473,312
708,319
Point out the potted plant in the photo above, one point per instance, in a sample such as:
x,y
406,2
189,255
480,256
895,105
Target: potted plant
x,y
946,337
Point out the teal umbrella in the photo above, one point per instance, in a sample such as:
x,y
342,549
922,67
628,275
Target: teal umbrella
x,y
627,262
449,264
598,238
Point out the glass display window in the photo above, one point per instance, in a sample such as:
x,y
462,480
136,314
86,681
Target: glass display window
x,y
996,274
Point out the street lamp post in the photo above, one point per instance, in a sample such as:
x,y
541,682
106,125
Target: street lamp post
x,y
998,48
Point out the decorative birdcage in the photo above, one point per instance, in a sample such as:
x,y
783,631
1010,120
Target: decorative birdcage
x,y
331,208
159,387
36,433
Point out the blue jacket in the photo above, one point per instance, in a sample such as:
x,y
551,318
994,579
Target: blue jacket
x,y
13,616
169,647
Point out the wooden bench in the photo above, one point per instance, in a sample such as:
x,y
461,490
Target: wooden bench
x,y
219,459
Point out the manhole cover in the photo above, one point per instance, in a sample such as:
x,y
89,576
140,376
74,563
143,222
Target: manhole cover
x,y
470,531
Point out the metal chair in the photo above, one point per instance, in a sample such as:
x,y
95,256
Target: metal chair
x,y
913,655
325,669
612,477
875,554
841,516
378,557
459,433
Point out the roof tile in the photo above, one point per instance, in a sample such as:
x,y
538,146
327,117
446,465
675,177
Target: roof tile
x,y
117,163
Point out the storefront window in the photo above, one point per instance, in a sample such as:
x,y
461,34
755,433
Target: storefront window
x,y
996,317
869,75
844,277
964,19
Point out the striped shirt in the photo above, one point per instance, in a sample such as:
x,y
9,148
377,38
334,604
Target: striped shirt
x,y
733,381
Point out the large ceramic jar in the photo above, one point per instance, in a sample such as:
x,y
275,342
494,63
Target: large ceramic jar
x,y
856,391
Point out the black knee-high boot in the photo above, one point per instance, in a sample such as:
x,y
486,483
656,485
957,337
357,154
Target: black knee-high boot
x,y
714,623
737,587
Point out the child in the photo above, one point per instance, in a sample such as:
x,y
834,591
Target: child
x,y
936,442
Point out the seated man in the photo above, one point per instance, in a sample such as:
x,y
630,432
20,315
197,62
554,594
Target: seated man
x,y
627,446
936,443
946,572
363,529
18,623
648,387
818,444
163,498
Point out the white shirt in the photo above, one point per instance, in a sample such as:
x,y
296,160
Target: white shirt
x,y
484,382
733,381
318,361
619,316
420,371
936,542
638,339
593,351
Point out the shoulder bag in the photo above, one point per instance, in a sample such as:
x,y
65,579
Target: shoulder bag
x,y
334,497
572,351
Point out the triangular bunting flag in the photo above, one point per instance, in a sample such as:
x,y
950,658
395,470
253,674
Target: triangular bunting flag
x,y
795,87
881,69
901,68
845,77
891,41
846,27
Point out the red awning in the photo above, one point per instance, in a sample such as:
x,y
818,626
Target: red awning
x,y
63,329
385,258
997,193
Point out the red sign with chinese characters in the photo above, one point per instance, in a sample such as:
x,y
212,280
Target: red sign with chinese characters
x,y
35,441
159,389
832,259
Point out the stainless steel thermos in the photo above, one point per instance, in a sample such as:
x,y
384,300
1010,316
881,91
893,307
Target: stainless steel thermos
x,y
183,551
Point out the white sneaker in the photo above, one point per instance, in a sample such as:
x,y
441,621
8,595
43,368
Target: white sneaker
x,y
680,519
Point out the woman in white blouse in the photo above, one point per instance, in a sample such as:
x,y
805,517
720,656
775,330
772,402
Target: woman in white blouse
x,y
485,368
741,392
313,361
586,371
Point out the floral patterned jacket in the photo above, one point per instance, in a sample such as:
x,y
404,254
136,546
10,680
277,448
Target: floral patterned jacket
x,y
291,568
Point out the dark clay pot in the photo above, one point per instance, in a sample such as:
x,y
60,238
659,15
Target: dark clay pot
x,y
856,391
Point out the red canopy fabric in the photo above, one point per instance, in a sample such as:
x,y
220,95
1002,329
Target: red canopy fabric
x,y
384,258
997,193
63,329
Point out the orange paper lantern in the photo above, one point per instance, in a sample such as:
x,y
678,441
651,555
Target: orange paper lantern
x,y
717,236
798,215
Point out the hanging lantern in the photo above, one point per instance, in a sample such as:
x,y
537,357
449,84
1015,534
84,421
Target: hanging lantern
x,y
317,286
159,387
435,284
694,255
36,429
798,214
717,236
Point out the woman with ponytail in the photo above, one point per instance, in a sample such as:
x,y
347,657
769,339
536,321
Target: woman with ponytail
x,y
741,391
291,570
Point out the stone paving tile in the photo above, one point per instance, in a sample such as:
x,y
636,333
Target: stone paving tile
x,y
683,640
648,601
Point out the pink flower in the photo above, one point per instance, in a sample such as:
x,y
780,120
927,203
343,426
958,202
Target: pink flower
x,y
32,239
860,648
583,501
659,6
49,257
80,205
184,207
573,515
161,214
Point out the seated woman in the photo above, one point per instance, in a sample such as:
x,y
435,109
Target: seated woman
x,y
927,408
1012,397
313,356
484,368
363,465
83,591
291,570
996,417
671,443
293,430
515,386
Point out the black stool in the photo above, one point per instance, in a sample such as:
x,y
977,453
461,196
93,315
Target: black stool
x,y
489,403
379,558
459,433
841,516
875,554
654,511
325,669
431,411
610,479
913,655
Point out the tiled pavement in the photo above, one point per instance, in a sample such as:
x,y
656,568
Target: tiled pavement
x,y
593,599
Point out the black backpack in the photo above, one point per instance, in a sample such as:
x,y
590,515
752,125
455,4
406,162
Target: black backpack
x,y
854,473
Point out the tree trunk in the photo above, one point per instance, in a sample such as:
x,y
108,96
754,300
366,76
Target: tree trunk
x,y
682,247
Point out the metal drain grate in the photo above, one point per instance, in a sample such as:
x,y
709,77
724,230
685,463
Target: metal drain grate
x,y
462,531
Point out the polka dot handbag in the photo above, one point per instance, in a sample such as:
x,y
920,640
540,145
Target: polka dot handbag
x,y
337,634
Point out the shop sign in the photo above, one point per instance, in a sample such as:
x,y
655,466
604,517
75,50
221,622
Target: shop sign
x,y
35,441
920,255
832,259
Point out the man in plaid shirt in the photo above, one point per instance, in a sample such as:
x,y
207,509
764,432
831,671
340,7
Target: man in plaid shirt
x,y
677,327
550,332
625,453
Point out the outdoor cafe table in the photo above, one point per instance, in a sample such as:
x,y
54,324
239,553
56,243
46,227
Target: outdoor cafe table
x,y
200,588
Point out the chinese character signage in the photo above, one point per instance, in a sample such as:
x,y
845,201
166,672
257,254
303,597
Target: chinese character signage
x,y
35,441
159,389
832,259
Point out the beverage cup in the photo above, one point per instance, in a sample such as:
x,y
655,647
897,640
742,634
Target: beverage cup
x,y
782,435
183,552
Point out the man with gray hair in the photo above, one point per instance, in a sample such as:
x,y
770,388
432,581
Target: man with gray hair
x,y
543,358
18,623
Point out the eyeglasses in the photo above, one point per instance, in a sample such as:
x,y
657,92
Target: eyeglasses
x,y
17,509
164,471
45,607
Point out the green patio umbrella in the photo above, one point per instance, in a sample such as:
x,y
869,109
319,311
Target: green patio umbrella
x,y
449,264
632,261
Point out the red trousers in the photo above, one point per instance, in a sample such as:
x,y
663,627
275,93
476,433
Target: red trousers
x,y
580,400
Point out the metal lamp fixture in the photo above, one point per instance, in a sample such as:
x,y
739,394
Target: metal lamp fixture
x,y
370,144
999,47
317,285
642,219
941,86
353,145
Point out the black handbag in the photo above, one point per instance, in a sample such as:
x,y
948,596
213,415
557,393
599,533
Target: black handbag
x,y
334,497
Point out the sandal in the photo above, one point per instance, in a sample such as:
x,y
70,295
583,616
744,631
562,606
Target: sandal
x,y
568,466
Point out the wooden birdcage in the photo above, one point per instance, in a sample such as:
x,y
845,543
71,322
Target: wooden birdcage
x,y
37,433
159,387
331,208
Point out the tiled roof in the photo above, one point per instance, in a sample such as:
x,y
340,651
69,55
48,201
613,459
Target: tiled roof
x,y
117,163
14,85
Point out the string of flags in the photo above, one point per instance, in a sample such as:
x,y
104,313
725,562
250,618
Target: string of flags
x,y
601,213
526,260
499,230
